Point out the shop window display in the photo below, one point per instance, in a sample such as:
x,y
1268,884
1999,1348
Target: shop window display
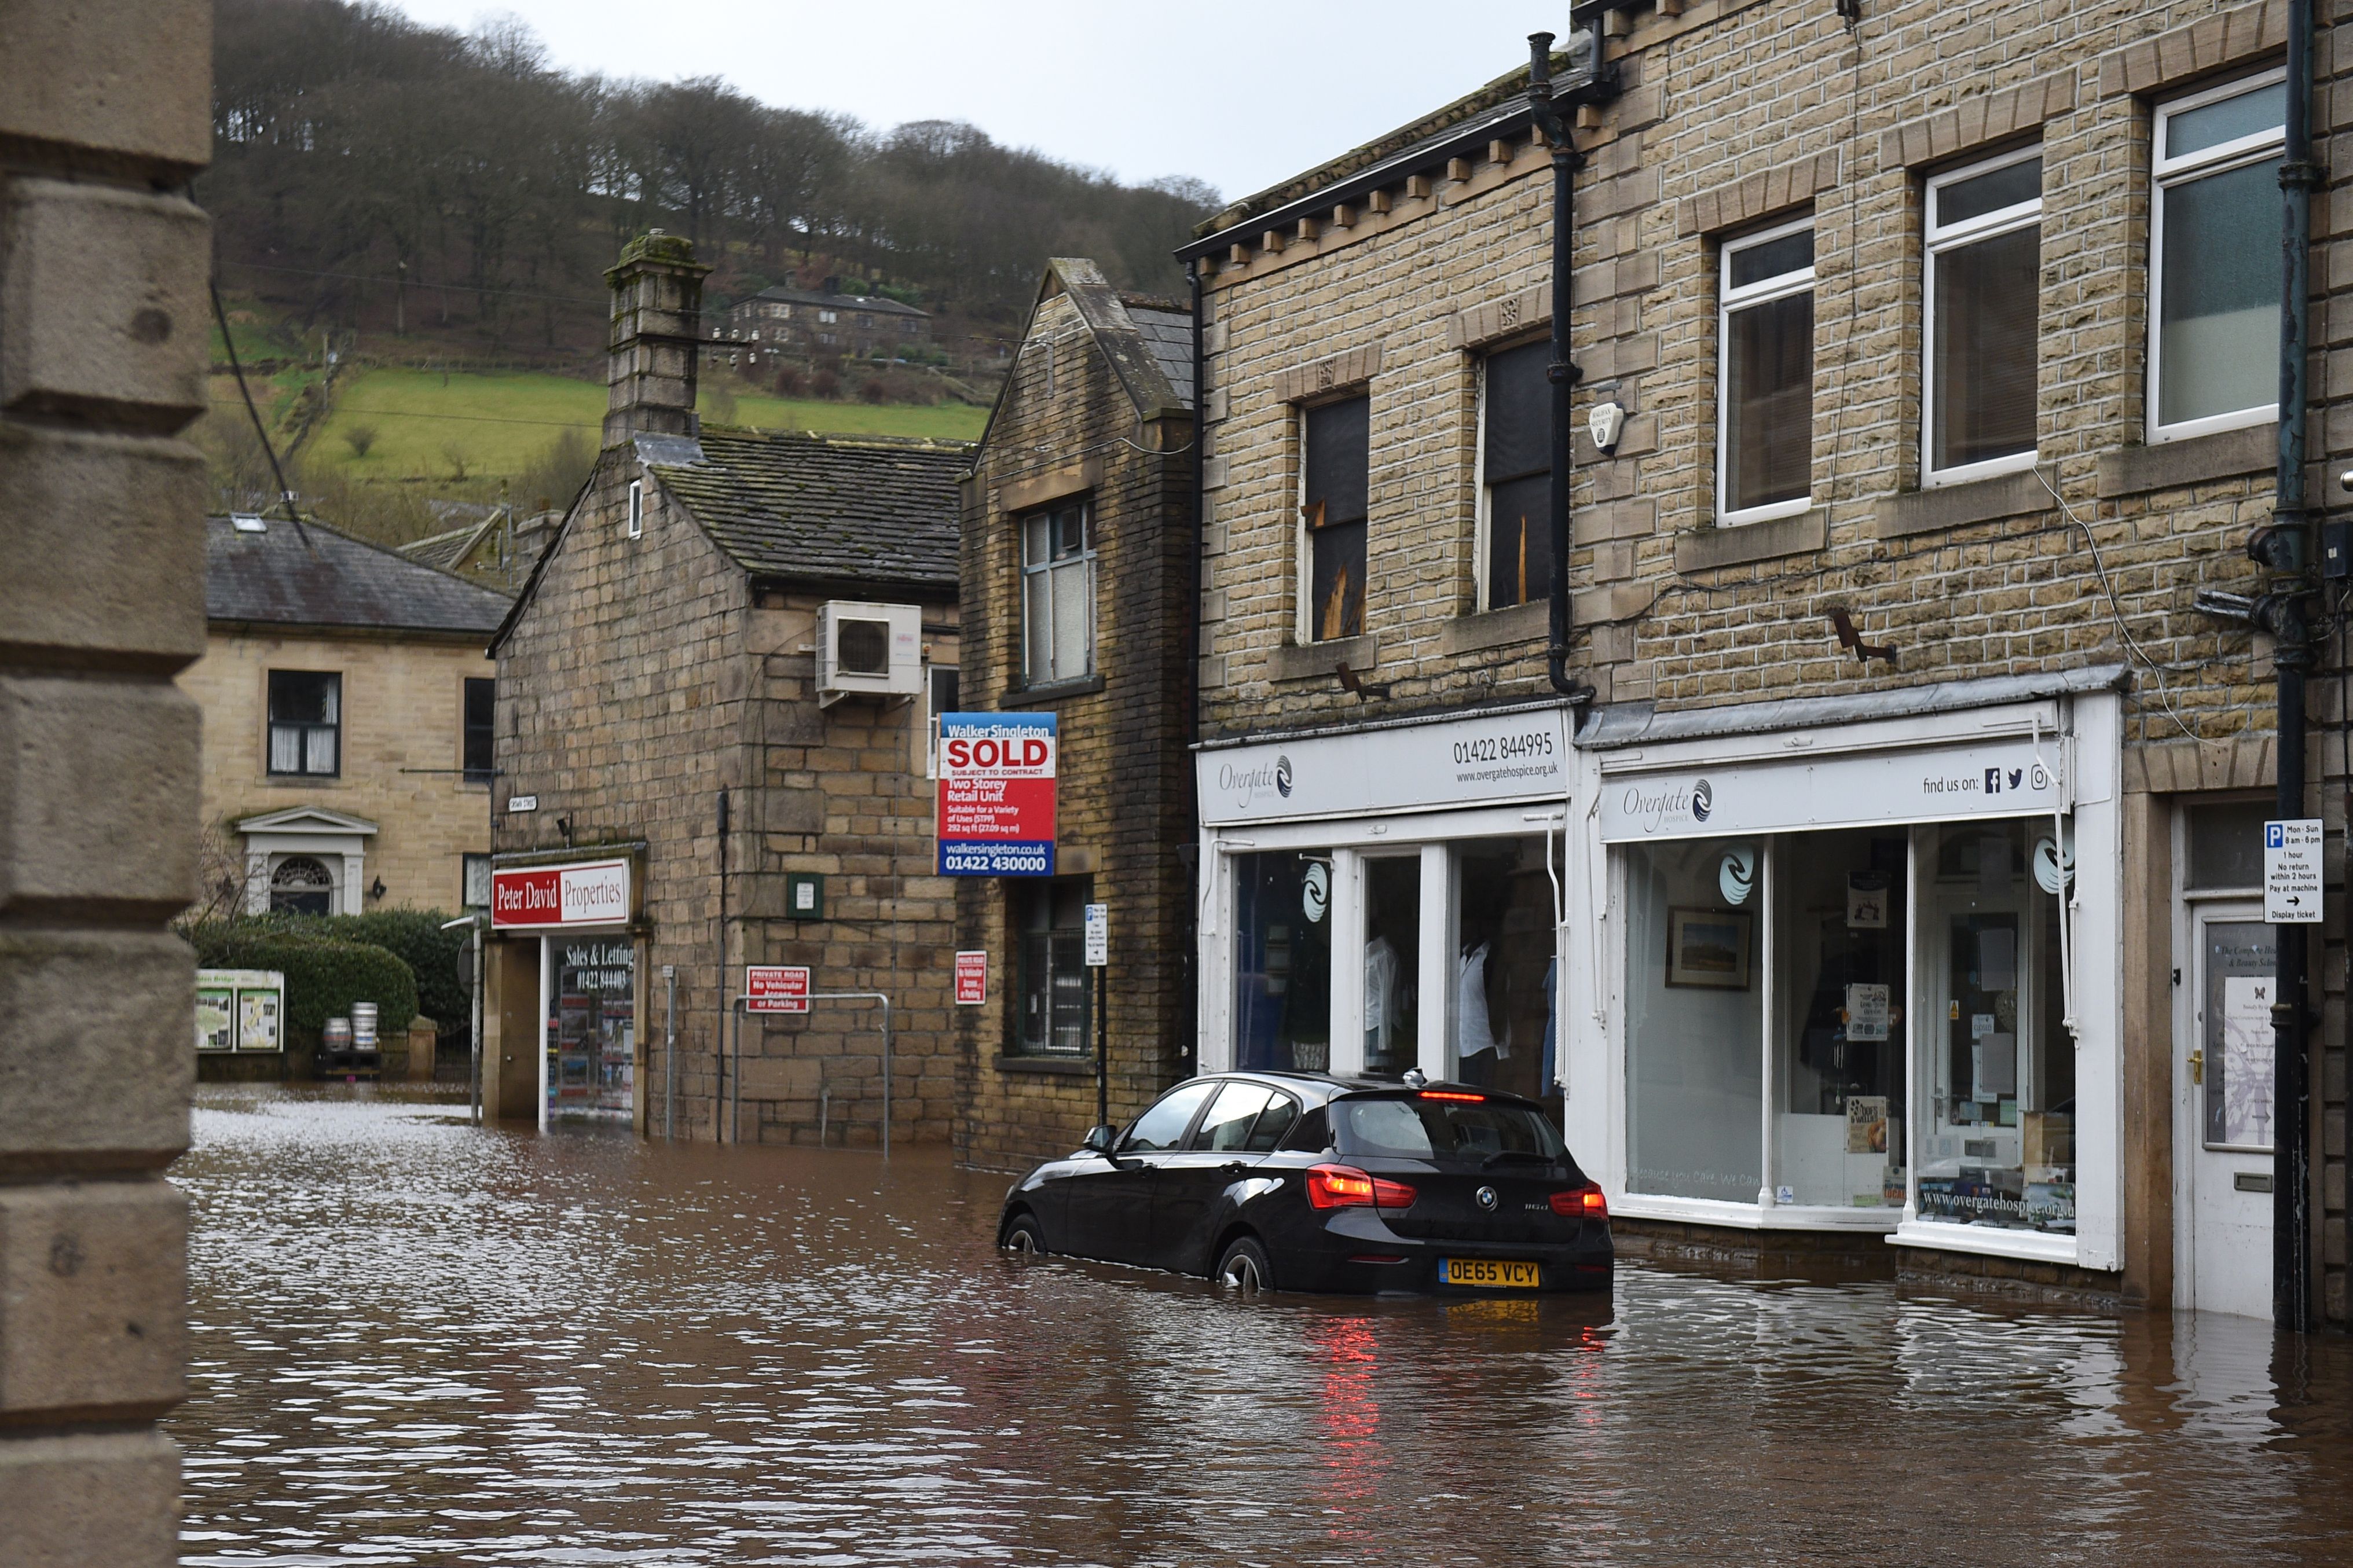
x,y
593,1044
1694,1019
1282,960
1501,1017
1392,964
1839,906
1998,1147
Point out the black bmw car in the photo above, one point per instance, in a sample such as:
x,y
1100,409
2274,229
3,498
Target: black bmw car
x,y
1301,1181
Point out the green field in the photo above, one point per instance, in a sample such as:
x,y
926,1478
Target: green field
x,y
499,423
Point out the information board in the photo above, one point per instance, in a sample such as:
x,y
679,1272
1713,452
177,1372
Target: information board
x,y
2291,872
776,988
996,794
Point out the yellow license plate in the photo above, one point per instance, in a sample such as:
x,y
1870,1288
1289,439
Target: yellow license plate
x,y
1488,1273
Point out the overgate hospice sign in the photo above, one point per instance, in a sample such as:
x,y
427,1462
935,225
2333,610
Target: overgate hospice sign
x,y
996,794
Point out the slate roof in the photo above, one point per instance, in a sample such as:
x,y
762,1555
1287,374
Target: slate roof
x,y
314,576
1168,334
817,506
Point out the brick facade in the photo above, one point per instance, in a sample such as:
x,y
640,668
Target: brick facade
x,y
1087,414
1733,115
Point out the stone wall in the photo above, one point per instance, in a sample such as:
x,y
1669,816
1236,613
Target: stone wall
x,y
105,114
1736,113
402,708
1124,798
621,691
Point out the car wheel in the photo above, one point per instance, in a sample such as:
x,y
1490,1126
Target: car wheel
x,y
1024,1237
1244,1267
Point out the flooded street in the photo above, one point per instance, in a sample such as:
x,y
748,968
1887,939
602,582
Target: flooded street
x,y
418,1343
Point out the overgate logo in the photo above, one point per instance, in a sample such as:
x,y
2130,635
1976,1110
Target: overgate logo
x,y
1282,777
1703,801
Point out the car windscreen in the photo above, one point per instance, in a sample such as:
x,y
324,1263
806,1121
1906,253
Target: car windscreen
x,y
1412,1127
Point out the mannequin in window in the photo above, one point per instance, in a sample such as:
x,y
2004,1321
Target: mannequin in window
x,y
1479,1046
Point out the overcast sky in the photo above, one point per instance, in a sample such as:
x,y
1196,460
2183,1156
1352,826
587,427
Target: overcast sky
x,y
1241,93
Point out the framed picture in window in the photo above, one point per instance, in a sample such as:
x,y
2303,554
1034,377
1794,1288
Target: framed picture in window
x,y
1709,948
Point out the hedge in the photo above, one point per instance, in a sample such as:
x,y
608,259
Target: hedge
x,y
431,954
323,977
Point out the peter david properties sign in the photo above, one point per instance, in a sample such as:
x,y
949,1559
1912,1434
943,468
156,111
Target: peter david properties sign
x,y
996,794
556,898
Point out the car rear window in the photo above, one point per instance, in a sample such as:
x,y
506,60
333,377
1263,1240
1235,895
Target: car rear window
x,y
1408,1127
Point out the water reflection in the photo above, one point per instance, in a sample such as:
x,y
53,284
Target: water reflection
x,y
421,1343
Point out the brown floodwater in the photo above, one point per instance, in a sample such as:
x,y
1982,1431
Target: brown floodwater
x,y
417,1343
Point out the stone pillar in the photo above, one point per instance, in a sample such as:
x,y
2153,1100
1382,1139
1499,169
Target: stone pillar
x,y
657,310
105,114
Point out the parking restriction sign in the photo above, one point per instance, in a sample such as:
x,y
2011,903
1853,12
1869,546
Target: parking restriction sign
x,y
2292,871
776,988
971,979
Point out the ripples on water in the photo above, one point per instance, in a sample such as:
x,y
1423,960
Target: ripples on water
x,y
418,1343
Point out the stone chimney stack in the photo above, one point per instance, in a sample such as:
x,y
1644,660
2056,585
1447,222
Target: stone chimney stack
x,y
652,354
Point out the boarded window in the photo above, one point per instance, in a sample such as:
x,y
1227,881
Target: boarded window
x,y
1337,481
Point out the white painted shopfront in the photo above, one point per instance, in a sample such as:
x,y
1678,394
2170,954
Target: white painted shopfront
x,y
1855,964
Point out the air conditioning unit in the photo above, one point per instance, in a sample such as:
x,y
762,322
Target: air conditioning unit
x,y
867,650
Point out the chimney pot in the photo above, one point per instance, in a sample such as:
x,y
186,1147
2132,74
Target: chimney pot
x,y
652,357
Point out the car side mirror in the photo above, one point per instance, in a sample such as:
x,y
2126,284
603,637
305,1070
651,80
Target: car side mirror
x,y
1099,1140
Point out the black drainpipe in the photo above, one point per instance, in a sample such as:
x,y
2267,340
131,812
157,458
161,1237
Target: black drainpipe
x,y
1188,1012
2285,547
1545,110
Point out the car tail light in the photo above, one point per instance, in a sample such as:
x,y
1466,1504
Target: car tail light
x,y
1345,1187
1453,1094
1581,1202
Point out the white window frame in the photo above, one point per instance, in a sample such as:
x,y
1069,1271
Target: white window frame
x,y
1727,300
637,509
1084,564
2165,172
932,712
1937,240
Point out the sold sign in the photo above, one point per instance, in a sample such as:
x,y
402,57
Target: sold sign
x,y
996,794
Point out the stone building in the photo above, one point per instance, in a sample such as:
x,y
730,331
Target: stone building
x,y
712,726
347,707
822,324
1078,559
1882,596
105,115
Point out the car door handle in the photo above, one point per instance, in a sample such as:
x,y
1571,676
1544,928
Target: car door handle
x,y
1233,1167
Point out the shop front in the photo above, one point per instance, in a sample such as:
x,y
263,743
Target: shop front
x,y
1387,897
1855,964
571,926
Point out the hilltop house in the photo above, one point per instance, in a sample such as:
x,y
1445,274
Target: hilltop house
x,y
346,700
823,325
713,728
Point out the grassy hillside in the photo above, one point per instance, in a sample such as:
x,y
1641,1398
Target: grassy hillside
x,y
429,425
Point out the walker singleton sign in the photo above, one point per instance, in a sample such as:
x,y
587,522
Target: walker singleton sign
x,y
594,894
996,794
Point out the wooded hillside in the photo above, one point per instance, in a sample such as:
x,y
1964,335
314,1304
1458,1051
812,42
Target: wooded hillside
x,y
372,171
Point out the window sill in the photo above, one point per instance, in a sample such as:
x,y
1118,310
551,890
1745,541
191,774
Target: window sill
x,y
302,781
1945,1236
1067,1067
1737,544
1910,512
1531,622
1038,696
1297,662
2173,465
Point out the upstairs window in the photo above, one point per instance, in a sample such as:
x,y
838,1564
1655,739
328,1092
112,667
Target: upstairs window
x,y
1984,265
1335,485
941,682
637,509
305,723
1058,595
2214,267
481,711
1515,463
1765,418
